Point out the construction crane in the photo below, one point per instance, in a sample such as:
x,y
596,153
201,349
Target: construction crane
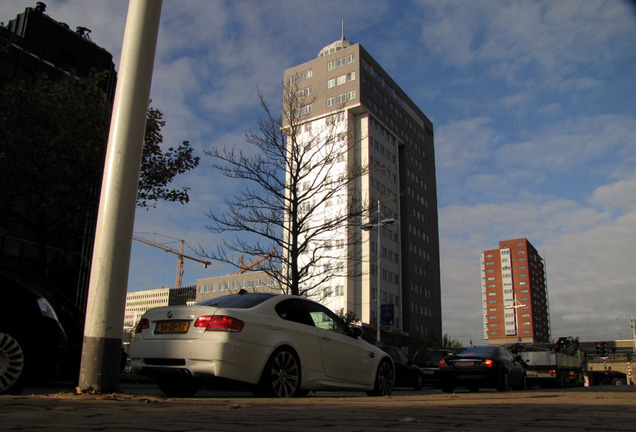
x,y
179,254
251,265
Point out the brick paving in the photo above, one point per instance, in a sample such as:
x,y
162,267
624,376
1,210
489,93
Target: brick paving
x,y
585,409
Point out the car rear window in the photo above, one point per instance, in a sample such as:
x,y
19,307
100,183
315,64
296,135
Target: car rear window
x,y
484,350
237,301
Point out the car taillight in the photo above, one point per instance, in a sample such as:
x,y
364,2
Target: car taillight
x,y
488,363
142,324
443,364
219,323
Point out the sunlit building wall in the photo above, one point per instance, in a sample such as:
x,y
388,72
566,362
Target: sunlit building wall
x,y
349,90
514,293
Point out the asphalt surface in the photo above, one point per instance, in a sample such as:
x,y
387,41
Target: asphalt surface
x,y
603,408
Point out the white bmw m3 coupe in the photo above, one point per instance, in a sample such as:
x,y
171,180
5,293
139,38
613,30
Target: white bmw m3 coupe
x,y
281,345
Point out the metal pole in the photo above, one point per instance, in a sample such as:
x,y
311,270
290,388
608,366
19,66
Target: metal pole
x,y
632,322
517,320
101,353
378,336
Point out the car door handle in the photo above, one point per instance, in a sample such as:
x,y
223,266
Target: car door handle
x,y
371,354
325,338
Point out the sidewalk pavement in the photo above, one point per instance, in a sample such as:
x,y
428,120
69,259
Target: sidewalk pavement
x,y
588,409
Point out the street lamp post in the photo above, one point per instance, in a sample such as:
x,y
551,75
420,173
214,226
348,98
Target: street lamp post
x,y
369,227
516,307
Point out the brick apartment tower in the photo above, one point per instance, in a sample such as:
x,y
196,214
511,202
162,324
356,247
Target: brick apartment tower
x,y
349,87
514,294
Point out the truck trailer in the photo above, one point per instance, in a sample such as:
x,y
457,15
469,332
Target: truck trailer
x,y
553,365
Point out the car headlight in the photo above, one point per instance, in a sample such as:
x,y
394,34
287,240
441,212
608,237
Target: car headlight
x,y
46,309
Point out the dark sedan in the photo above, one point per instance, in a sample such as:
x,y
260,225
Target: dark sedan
x,y
476,367
32,340
406,373
428,362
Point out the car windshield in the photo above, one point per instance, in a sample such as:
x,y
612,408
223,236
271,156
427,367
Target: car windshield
x,y
477,350
429,358
237,301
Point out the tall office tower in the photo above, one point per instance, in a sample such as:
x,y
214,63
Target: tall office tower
x,y
348,93
514,294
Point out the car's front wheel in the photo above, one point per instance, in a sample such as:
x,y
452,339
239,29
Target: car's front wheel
x,y
384,379
12,365
281,377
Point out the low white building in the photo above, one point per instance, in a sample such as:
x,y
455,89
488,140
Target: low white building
x,y
138,302
257,281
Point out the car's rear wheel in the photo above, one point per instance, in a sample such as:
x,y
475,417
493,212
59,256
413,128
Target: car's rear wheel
x,y
179,387
419,383
524,382
281,377
12,365
384,379
504,382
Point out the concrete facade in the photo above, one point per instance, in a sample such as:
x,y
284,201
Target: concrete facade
x,y
348,90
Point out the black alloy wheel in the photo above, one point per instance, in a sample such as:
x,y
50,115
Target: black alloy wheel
x,y
504,382
384,379
281,377
419,383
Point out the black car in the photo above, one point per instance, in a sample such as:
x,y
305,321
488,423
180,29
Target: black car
x,y
428,362
406,373
32,339
482,366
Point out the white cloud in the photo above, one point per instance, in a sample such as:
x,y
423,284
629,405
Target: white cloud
x,y
616,197
589,257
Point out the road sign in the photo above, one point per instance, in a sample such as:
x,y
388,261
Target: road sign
x,y
387,314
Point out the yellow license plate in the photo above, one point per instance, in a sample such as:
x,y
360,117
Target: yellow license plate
x,y
173,327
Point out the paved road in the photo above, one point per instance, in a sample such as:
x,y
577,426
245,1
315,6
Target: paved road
x,y
582,409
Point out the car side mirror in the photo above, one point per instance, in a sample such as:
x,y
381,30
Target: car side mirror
x,y
356,332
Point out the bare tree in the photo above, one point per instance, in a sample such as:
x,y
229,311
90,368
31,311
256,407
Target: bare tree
x,y
301,202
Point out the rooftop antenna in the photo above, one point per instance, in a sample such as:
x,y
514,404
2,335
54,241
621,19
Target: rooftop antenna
x,y
343,38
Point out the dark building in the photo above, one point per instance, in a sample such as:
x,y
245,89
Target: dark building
x,y
38,44
31,45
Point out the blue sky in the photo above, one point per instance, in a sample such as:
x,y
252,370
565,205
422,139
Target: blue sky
x,y
534,109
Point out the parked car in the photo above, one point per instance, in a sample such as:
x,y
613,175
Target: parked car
x,y
406,373
33,342
281,345
482,366
428,362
